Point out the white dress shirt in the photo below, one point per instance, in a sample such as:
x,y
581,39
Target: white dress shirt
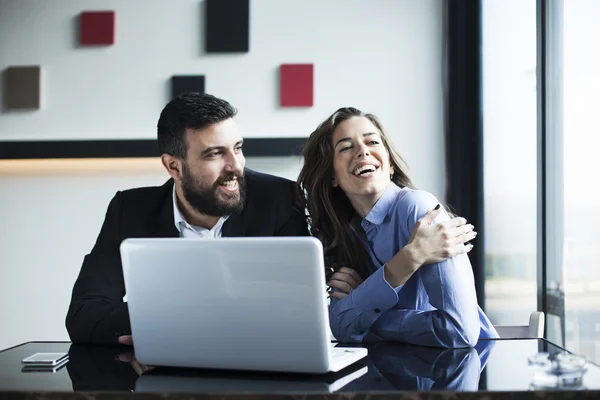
x,y
187,230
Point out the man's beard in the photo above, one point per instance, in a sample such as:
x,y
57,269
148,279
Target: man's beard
x,y
204,198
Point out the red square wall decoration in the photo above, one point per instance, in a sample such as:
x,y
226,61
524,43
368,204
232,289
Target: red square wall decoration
x,y
296,85
97,28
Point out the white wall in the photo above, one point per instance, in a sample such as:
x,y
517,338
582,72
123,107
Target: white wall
x,y
383,56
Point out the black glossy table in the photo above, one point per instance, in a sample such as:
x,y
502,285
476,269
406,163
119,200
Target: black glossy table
x,y
494,369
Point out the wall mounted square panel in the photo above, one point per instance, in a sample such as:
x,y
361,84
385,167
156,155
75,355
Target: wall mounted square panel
x,y
296,85
186,83
227,26
97,28
22,88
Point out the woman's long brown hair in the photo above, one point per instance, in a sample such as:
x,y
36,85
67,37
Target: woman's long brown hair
x,y
329,210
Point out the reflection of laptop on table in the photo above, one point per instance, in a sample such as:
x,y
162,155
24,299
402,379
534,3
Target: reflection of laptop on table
x,y
163,380
231,303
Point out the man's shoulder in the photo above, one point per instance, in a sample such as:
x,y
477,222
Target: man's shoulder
x,y
145,191
147,199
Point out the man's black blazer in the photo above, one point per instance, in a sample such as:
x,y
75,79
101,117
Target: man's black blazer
x,y
97,313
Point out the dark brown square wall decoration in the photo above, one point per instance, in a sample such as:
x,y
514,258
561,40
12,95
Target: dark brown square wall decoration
x,y
97,28
22,88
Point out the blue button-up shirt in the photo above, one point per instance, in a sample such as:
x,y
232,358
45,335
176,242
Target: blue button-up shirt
x,y
437,306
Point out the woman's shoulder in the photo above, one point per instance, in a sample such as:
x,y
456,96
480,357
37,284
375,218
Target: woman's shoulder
x,y
412,204
416,199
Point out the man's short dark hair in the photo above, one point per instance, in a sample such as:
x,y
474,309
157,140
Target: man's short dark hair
x,y
189,110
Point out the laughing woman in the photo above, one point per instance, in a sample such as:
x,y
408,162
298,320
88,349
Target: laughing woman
x,y
418,282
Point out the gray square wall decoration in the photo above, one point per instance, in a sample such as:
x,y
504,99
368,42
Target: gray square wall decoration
x,y
22,88
186,83
227,25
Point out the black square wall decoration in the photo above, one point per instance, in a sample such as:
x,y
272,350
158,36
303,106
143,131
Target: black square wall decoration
x,y
227,26
186,83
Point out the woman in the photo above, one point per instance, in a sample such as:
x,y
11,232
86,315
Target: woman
x,y
418,283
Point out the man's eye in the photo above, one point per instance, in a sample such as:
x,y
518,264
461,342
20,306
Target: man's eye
x,y
239,148
214,154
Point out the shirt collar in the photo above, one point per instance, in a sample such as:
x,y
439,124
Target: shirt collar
x,y
384,204
178,217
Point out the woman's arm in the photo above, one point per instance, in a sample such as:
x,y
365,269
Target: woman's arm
x,y
449,288
352,317
429,243
455,320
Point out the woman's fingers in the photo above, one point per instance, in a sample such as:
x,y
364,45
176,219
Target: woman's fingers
x,y
338,295
430,216
341,285
346,280
459,230
454,222
464,237
457,233
441,241
461,249
352,273
345,277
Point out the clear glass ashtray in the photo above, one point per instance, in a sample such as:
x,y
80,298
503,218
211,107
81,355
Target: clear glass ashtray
x,y
557,370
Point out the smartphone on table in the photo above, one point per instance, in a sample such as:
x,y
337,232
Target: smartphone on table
x,y
44,362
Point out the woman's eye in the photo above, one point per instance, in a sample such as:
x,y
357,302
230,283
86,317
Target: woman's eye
x,y
345,148
373,142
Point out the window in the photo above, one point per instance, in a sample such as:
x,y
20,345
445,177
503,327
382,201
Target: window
x,y
510,167
580,273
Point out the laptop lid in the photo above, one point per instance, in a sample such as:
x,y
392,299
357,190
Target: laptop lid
x,y
228,303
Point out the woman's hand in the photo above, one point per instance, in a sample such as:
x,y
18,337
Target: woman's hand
x,y
431,243
346,280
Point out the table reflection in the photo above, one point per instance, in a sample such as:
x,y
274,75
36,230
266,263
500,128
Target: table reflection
x,y
389,366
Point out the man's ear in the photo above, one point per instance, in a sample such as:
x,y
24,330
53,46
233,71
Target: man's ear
x,y
173,165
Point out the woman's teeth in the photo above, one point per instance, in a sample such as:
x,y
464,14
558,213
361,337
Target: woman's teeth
x,y
364,170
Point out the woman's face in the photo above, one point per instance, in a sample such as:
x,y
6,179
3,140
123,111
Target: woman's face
x,y
361,162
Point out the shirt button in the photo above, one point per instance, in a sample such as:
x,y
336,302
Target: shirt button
x,y
366,223
377,310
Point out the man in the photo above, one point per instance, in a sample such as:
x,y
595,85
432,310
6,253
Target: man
x,y
210,195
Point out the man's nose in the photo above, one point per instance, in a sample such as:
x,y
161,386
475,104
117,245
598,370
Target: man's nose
x,y
234,164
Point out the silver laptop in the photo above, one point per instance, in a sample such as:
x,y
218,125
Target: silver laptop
x,y
231,303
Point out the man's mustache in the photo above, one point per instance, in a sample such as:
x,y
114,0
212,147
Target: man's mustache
x,y
228,177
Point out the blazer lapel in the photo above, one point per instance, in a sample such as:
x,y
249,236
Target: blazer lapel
x,y
165,226
234,226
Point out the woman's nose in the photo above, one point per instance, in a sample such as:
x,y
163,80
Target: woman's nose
x,y
363,151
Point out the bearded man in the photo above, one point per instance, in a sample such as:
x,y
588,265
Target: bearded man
x,y
210,194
